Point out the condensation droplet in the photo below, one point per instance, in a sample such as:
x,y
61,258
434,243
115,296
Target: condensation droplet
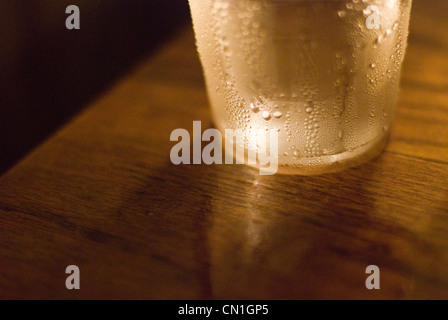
x,y
277,114
266,115
377,41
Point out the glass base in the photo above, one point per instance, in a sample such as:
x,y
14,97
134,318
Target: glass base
x,y
328,163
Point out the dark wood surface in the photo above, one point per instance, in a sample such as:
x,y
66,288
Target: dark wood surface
x,y
102,194
49,70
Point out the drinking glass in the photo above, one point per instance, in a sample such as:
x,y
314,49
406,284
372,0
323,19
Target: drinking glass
x,y
323,73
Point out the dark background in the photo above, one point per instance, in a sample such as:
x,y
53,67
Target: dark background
x,y
48,73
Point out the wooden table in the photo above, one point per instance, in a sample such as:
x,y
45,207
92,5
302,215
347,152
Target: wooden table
x,y
102,194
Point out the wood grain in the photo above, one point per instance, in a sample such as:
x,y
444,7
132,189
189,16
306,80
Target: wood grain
x,y
103,194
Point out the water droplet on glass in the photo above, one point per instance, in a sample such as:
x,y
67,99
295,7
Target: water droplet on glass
x,y
254,108
266,115
277,114
377,41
